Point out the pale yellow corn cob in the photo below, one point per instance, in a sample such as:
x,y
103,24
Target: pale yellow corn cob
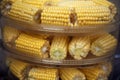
x,y
10,34
24,12
50,16
79,47
103,45
58,50
36,3
18,68
94,73
71,74
43,74
32,46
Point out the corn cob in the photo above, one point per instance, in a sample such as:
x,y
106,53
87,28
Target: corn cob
x,y
71,74
18,68
36,3
32,46
94,73
50,16
58,50
79,47
43,74
103,45
24,12
10,34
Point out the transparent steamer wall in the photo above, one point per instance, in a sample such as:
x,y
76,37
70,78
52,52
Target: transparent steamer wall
x,y
44,46
100,71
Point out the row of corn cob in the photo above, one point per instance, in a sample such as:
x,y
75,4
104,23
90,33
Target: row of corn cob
x,y
71,13
78,47
95,72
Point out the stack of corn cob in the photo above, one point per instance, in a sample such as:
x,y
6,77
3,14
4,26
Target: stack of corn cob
x,y
10,34
103,45
19,68
79,47
24,12
43,74
32,46
71,74
59,46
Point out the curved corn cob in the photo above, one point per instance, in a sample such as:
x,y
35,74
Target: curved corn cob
x,y
43,74
103,45
58,50
36,3
94,73
50,16
24,12
71,74
32,46
10,34
79,47
18,68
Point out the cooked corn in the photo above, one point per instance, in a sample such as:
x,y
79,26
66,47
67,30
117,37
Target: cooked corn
x,y
58,50
71,74
18,68
10,34
79,47
43,74
94,73
24,12
32,46
103,45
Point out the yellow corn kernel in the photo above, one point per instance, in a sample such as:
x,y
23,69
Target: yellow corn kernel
x,y
103,45
24,12
10,34
71,74
32,46
58,50
43,74
18,68
79,47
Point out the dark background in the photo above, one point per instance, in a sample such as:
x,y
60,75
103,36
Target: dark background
x,y
115,75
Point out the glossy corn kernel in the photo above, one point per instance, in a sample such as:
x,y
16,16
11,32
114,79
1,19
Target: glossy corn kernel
x,y
32,46
58,50
71,74
18,68
10,34
24,12
79,47
103,45
43,74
